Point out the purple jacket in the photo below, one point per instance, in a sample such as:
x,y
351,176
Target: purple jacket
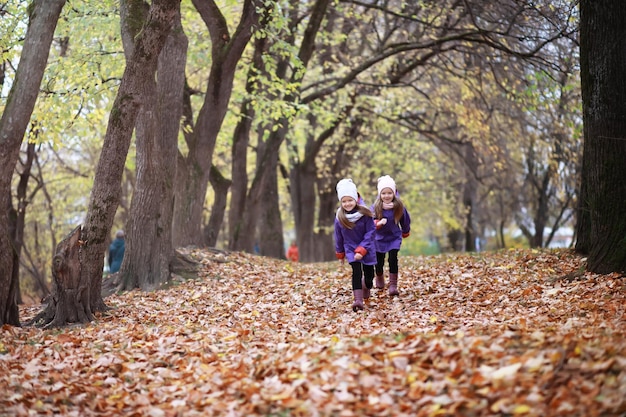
x,y
389,236
362,234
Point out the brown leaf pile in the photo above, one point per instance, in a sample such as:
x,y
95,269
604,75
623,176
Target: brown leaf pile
x,y
513,333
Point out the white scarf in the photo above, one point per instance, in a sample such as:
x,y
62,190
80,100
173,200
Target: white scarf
x,y
388,206
354,217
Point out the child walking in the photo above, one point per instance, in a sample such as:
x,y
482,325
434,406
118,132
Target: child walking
x,y
354,240
393,223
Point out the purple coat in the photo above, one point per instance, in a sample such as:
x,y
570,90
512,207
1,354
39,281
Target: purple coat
x,y
389,236
362,234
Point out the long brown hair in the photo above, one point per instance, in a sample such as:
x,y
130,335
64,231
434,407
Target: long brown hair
x,y
343,219
398,208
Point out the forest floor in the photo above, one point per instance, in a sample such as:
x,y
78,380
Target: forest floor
x,y
508,333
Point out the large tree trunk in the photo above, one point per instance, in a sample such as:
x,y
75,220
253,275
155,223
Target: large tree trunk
x,y
601,224
194,171
149,230
140,70
15,117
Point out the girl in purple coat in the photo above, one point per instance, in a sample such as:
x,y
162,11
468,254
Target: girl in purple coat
x,y
393,223
354,233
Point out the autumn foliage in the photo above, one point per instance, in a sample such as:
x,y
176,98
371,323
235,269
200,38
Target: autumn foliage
x,y
512,333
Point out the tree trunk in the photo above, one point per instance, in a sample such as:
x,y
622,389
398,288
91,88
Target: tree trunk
x,y
323,244
469,195
13,122
22,202
272,241
601,227
149,230
220,186
193,175
69,301
239,149
260,189
303,202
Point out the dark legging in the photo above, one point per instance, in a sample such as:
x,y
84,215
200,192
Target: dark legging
x,y
358,271
393,262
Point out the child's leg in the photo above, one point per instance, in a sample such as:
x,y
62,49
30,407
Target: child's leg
x,y
380,263
357,285
393,272
368,273
393,261
357,275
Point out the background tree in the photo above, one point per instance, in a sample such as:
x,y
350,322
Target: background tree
x,y
601,222
43,17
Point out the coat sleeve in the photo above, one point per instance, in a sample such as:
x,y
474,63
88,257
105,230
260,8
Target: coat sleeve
x,y
406,223
338,238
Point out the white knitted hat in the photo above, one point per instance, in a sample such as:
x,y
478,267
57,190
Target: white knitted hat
x,y
386,182
346,188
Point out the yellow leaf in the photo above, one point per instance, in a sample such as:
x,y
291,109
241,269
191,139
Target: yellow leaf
x,y
433,319
521,409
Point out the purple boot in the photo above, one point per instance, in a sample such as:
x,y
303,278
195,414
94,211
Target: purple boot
x,y
393,285
380,281
366,291
358,300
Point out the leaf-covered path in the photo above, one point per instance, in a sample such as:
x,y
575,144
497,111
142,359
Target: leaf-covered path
x,y
509,333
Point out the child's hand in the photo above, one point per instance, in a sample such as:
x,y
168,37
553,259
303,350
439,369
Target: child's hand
x,y
358,256
382,222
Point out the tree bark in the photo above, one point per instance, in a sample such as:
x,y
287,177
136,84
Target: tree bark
x,y
15,117
149,249
271,240
69,301
601,226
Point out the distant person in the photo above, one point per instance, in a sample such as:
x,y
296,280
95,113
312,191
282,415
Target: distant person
x,y
292,252
354,240
393,224
116,252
